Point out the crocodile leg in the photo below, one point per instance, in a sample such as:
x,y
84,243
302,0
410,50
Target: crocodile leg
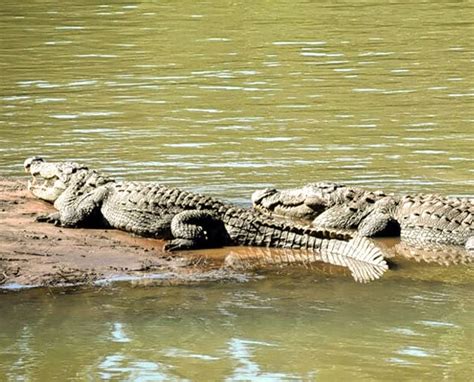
x,y
196,229
76,211
340,216
379,224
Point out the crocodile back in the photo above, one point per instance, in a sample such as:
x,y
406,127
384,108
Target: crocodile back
x,y
436,218
147,208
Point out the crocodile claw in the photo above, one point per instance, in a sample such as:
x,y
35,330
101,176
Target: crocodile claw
x,y
179,244
49,218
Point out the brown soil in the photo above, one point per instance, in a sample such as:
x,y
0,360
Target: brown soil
x,y
41,254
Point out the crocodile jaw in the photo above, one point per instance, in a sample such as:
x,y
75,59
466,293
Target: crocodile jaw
x,y
49,190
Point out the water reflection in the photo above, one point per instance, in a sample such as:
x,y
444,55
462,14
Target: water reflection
x,y
119,366
247,369
446,255
24,358
361,268
118,334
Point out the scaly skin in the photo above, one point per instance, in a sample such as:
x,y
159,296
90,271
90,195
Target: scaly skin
x,y
424,218
324,203
87,198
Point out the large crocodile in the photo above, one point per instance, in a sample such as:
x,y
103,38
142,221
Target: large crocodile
x,y
84,197
420,218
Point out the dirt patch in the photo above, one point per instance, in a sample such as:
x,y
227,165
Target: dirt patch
x,y
40,254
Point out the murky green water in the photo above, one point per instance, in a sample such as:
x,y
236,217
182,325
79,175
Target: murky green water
x,y
223,98
269,330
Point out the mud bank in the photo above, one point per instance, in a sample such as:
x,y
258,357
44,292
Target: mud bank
x,y
39,254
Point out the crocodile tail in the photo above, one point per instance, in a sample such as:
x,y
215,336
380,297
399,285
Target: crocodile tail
x,y
359,255
363,258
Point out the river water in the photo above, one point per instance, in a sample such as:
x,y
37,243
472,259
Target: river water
x,y
224,98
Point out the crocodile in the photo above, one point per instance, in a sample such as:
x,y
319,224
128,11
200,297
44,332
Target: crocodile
x,y
421,218
84,197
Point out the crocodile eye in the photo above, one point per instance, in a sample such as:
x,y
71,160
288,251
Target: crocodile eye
x,y
268,191
260,195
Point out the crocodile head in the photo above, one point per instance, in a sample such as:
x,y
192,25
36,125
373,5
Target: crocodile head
x,y
49,180
305,203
